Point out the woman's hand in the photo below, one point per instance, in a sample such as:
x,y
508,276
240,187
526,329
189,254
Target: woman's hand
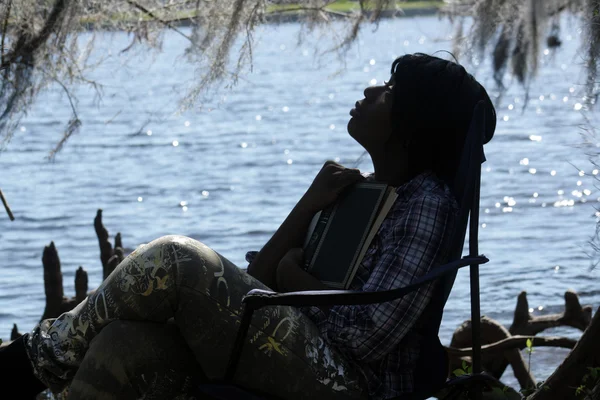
x,y
291,277
331,180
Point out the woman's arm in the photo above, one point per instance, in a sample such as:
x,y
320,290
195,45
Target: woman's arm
x,y
289,235
291,277
324,190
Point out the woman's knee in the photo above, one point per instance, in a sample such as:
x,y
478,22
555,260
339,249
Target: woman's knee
x,y
187,252
136,356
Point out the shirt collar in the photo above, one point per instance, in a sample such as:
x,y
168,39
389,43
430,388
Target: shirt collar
x,y
424,182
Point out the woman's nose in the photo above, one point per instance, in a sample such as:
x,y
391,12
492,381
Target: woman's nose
x,y
372,91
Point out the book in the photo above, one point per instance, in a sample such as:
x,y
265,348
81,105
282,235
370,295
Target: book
x,y
339,236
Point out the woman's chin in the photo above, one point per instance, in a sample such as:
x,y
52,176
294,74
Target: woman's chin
x,y
351,126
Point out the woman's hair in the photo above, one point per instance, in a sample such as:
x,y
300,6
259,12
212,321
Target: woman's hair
x,y
434,99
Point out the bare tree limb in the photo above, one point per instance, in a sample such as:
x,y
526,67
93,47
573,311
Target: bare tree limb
x,y
152,15
6,207
516,342
4,27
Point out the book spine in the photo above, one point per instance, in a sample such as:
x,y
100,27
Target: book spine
x,y
316,237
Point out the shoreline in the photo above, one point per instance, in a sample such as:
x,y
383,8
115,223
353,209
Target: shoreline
x,y
296,16
280,17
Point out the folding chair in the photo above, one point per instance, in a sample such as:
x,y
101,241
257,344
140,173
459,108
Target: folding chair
x,y
432,371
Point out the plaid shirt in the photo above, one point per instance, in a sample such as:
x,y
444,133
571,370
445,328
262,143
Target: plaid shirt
x,y
384,339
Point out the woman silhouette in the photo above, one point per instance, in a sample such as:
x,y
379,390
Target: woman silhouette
x,y
166,318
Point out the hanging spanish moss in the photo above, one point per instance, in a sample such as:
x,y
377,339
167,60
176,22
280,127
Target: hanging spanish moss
x,y
40,46
513,31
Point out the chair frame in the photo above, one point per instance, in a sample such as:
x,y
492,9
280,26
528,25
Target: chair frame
x,y
258,298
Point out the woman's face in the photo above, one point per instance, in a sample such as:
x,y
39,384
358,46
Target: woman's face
x,y
370,124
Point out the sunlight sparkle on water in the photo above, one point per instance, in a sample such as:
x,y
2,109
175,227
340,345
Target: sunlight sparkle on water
x,y
373,81
510,106
595,172
184,208
532,170
505,118
587,192
553,172
285,109
581,173
577,106
578,183
561,192
243,145
332,126
372,62
566,98
149,132
140,199
507,209
205,193
183,203
497,205
23,129
524,161
542,97
175,143
483,225
564,203
290,161
258,117
535,194
535,138
187,123
556,268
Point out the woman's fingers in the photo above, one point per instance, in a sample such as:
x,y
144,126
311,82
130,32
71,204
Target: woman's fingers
x,y
348,177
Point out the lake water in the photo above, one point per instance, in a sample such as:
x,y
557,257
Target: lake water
x,y
229,174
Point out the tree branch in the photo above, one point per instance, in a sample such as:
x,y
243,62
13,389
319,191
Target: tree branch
x,y
29,47
6,207
156,17
516,342
4,27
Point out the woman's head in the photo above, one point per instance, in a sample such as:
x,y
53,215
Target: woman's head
x,y
423,113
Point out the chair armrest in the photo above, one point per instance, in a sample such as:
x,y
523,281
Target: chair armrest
x,y
258,298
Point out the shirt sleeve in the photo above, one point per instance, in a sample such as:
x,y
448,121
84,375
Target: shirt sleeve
x,y
414,246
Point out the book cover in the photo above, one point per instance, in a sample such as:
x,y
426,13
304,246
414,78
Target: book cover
x,y
339,235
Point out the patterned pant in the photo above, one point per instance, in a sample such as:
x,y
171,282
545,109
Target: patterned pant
x,y
177,279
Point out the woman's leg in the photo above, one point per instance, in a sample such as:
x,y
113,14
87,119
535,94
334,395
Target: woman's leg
x,y
177,277
133,360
